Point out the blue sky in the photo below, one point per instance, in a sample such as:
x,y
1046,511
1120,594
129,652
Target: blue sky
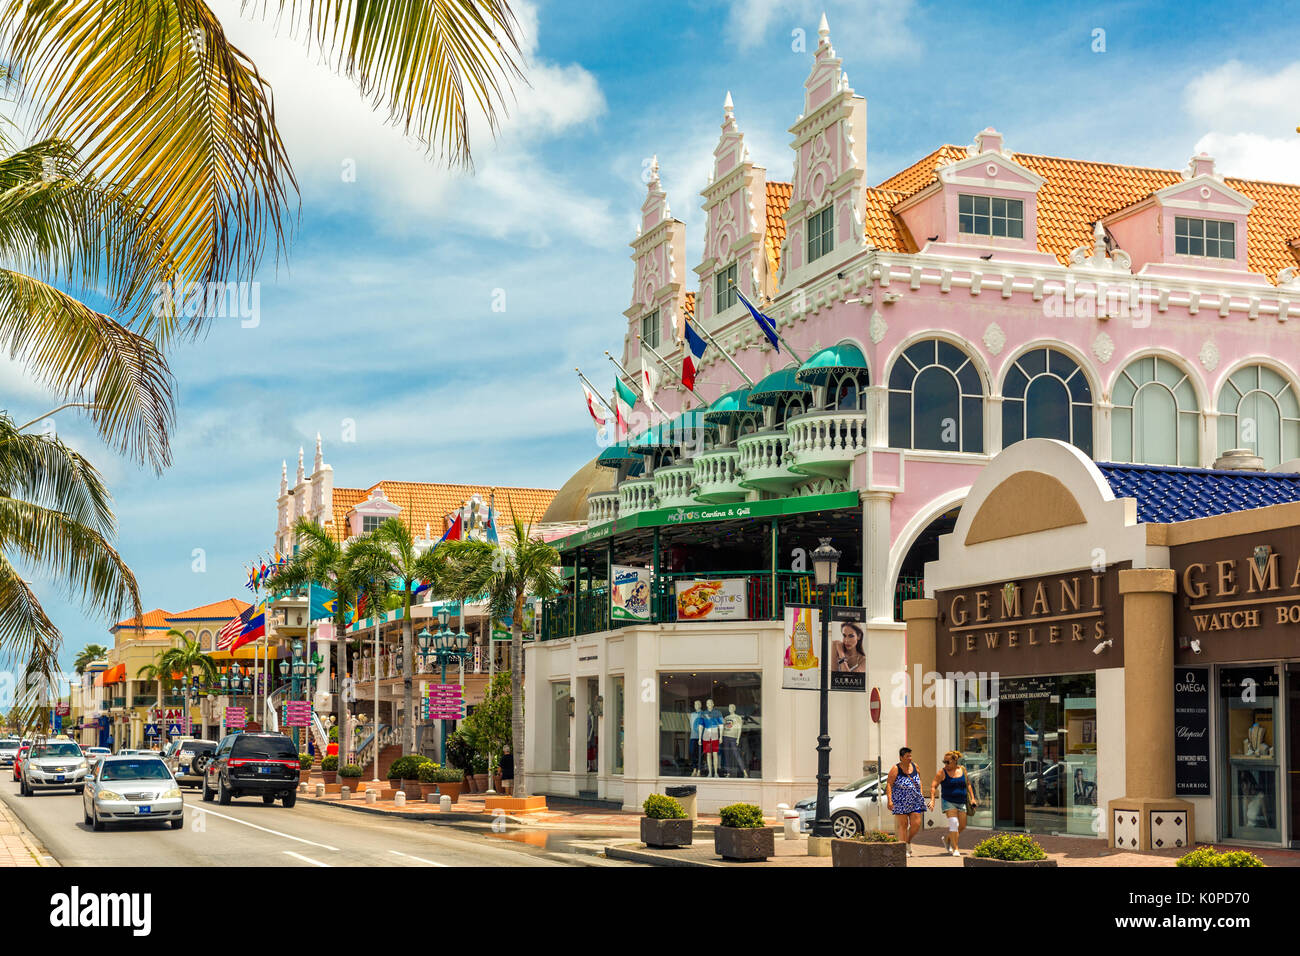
x,y
383,313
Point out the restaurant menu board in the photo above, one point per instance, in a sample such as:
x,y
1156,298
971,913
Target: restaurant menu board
x,y
629,599
714,600
1192,732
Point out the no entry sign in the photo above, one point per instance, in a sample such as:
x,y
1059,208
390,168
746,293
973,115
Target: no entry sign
x,y
875,705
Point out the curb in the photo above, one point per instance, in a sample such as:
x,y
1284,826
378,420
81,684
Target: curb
x,y
452,817
34,845
632,853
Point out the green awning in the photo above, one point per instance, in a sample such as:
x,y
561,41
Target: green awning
x,y
616,455
681,430
730,407
773,388
844,357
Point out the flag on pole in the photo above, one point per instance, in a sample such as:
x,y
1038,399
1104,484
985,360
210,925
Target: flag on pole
x,y
695,347
492,520
764,322
453,533
649,380
323,602
254,627
232,629
624,402
596,414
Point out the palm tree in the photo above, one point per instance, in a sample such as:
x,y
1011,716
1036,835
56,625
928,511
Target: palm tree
x,y
182,122
388,556
185,658
89,653
509,575
55,519
327,563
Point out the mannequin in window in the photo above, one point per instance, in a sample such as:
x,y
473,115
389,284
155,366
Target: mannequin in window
x,y
697,727
732,728
710,737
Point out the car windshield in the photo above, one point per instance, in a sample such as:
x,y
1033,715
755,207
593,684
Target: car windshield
x,y
141,769
856,785
97,750
270,748
57,750
198,747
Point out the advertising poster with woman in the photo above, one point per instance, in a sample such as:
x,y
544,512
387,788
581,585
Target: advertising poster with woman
x,y
848,651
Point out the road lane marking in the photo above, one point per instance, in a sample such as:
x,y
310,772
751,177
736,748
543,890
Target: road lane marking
x,y
420,858
287,836
305,859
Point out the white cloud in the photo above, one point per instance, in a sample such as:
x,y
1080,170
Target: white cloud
x,y
877,30
1251,115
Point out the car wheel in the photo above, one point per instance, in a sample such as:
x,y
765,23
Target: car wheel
x,y
95,823
207,794
846,825
85,817
176,824
223,792
290,799
81,789
268,799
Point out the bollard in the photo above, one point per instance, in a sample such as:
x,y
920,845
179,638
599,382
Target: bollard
x,y
344,793
444,804
431,797
791,818
320,789
302,788
372,795
399,798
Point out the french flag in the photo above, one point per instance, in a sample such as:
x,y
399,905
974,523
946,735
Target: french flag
x,y
695,351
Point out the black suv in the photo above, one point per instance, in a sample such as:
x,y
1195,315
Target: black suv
x,y
244,764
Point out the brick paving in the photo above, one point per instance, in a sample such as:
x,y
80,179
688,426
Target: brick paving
x,y
17,848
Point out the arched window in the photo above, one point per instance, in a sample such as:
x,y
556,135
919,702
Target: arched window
x,y
746,425
1258,410
1046,395
936,399
844,392
791,406
1155,420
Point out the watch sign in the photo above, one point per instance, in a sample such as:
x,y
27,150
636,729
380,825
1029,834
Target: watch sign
x,y
1192,732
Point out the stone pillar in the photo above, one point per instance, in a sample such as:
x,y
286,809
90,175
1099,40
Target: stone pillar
x,y
1149,816
877,585
921,721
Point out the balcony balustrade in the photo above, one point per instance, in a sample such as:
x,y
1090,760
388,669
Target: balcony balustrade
x,y
763,462
674,486
718,475
636,494
826,442
602,507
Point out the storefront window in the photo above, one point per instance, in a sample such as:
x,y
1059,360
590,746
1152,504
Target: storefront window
x,y
709,725
1079,707
560,727
1249,697
616,713
975,741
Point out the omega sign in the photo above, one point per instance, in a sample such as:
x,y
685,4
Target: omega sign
x,y
1238,597
1044,625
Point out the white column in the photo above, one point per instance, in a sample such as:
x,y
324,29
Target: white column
x,y
993,425
1101,450
877,586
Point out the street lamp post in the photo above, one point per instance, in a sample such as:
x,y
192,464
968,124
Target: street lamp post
x,y
445,647
826,565
298,670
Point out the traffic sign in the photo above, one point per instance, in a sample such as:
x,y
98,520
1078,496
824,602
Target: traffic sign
x,y
875,705
151,730
173,730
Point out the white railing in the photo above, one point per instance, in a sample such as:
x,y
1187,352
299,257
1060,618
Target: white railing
x,y
718,472
826,442
636,494
763,460
674,486
602,507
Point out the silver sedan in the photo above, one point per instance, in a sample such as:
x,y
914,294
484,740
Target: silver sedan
x,y
132,789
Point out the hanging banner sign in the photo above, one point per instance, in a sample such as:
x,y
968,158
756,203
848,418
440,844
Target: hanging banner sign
x,y
234,718
1192,732
714,600
629,599
848,661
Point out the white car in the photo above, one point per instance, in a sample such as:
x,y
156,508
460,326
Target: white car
x,y
853,808
132,790
54,765
9,750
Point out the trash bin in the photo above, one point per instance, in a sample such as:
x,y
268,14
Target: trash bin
x,y
686,797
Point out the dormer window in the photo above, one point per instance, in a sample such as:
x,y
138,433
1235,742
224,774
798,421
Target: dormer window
x,y
371,523
990,216
1212,238
724,289
650,329
821,233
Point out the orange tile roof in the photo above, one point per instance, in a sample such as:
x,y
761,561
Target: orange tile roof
x,y
778,201
157,618
885,230
426,503
1079,192
219,610
342,502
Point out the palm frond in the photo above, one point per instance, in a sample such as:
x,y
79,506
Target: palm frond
x,y
27,635
43,470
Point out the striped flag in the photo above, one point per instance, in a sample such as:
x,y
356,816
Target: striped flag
x,y
232,629
624,402
690,360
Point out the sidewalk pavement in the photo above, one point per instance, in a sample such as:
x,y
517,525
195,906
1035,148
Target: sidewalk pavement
x,y
17,846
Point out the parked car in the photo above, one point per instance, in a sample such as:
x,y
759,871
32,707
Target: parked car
x,y
18,761
132,789
179,757
261,764
853,808
93,754
8,750
54,765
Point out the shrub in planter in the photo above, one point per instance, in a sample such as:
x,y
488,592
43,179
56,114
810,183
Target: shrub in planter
x,y
665,822
743,835
460,752
329,767
350,772
1008,849
1209,856
872,848
304,761
334,734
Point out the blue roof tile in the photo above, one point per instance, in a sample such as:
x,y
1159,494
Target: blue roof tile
x,y
1165,494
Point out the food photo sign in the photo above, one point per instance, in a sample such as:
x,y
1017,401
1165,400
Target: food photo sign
x,y
713,600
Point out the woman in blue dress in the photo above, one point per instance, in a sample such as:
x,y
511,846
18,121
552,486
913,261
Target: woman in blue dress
x,y
904,797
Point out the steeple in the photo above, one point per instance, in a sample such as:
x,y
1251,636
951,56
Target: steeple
x,y
316,465
300,475
284,478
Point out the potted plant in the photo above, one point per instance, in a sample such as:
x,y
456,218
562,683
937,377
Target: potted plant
x,y
742,834
329,767
445,781
873,848
350,776
1209,856
1008,849
480,768
665,822
460,754
404,774
304,768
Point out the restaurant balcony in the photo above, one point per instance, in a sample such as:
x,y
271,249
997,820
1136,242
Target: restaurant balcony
x,y
636,494
718,475
674,485
825,442
602,507
763,463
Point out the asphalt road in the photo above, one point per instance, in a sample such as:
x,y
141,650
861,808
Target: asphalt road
x,y
246,833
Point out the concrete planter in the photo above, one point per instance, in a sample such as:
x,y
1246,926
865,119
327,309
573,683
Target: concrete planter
x,y
452,790
857,853
352,783
329,776
989,861
304,776
744,843
480,783
661,833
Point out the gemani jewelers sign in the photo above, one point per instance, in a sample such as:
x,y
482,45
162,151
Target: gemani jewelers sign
x,y
1054,624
